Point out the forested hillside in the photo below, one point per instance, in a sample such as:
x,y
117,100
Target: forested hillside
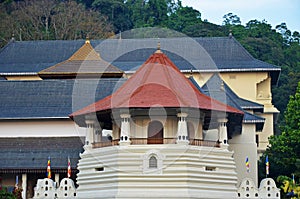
x,y
69,20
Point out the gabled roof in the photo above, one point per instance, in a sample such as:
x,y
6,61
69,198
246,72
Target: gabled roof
x,y
215,87
51,98
221,54
219,90
84,62
21,153
157,83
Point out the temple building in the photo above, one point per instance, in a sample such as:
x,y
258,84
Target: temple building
x,y
174,120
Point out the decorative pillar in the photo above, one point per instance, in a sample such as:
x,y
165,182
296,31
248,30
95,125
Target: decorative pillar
x,y
222,130
56,179
125,129
24,185
90,123
98,134
182,131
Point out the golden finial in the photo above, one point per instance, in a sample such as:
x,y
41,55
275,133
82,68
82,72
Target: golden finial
x,y
87,40
158,48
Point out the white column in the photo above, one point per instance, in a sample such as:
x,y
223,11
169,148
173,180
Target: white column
x,y
89,139
125,129
24,185
56,178
182,133
223,132
98,134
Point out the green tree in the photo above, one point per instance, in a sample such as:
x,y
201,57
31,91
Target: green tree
x,y
116,11
184,18
231,19
284,149
151,13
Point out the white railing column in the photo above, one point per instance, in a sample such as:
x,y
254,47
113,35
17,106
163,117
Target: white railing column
x,y
182,132
222,130
24,185
125,129
90,131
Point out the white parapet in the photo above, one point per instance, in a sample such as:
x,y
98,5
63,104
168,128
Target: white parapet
x,y
157,171
267,189
47,188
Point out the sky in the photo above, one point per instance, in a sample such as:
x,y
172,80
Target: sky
x,y
273,11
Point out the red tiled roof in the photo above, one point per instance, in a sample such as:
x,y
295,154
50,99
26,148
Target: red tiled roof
x,y
157,83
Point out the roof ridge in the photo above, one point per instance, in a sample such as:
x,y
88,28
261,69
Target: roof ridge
x,y
6,45
241,46
85,52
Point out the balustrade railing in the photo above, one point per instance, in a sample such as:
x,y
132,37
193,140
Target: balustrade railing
x,y
143,141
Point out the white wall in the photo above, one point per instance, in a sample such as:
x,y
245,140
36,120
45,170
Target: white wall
x,y
40,128
244,145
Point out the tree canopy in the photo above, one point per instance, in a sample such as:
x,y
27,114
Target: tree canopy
x,y
284,149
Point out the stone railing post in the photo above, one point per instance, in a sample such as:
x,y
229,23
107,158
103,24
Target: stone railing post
x,y
182,133
125,129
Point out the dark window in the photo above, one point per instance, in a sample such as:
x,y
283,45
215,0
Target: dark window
x,y
99,169
155,133
152,162
257,139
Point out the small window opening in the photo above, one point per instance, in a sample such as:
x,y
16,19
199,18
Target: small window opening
x,y
152,162
210,168
99,169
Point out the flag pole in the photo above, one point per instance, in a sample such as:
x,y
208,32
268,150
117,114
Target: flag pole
x,y
69,168
247,165
49,168
267,166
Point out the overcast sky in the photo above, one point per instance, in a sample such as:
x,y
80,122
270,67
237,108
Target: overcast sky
x,y
273,11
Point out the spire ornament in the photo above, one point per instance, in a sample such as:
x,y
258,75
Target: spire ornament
x,y
158,48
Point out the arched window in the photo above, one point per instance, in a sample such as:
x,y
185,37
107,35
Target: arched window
x,y
152,162
155,133
247,182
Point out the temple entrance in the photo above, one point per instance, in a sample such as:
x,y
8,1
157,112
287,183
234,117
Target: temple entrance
x,y
155,133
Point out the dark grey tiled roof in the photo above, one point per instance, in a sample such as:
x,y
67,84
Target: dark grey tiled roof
x,y
203,54
34,56
33,153
219,90
51,98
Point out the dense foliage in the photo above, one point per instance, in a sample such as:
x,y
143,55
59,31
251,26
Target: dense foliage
x,y
59,19
50,19
284,149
